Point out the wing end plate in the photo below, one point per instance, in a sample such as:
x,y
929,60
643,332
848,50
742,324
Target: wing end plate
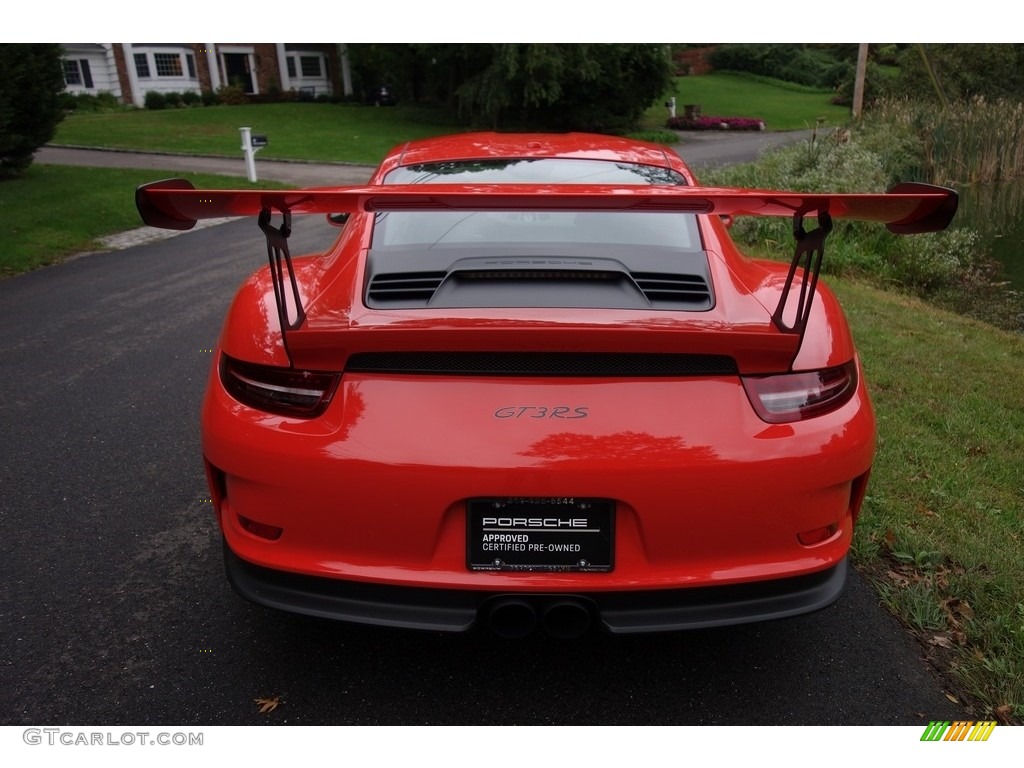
x,y
156,216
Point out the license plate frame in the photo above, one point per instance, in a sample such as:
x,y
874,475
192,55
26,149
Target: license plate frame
x,y
540,534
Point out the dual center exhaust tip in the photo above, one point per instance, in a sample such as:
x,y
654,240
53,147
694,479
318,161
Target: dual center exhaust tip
x,y
564,618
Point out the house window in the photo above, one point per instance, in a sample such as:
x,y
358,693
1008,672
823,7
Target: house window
x,y
141,65
291,66
311,66
167,64
190,60
72,74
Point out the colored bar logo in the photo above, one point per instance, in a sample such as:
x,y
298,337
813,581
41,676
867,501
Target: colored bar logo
x,y
959,730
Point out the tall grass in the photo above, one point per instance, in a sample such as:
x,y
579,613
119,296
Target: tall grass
x,y
949,268
976,141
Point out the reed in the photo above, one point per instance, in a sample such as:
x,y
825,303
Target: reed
x,y
975,141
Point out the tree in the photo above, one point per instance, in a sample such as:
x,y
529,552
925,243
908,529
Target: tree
x,y
590,87
30,90
593,87
991,70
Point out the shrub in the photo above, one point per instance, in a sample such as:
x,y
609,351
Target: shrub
x,y
899,147
155,100
655,137
191,99
232,95
103,101
835,163
879,83
68,102
785,61
209,98
951,268
926,263
30,102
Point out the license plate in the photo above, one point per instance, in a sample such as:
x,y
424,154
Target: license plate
x,y
540,534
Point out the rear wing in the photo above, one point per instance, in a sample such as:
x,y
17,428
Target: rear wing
x,y
906,209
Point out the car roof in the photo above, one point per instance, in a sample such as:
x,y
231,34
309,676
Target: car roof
x,y
488,145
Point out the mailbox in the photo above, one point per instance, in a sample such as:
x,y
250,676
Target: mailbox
x,y
259,140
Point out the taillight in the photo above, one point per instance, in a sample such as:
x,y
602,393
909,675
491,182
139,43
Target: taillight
x,y
797,396
285,391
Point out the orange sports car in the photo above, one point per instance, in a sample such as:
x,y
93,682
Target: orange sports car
x,y
535,384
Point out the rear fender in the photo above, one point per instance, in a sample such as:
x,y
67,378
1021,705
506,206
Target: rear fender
x,y
252,330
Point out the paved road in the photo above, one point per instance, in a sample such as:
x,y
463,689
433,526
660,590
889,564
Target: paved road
x,y
114,608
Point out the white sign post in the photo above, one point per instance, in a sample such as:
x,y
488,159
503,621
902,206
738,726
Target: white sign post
x,y
250,146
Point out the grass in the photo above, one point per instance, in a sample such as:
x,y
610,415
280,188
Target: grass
x,y
942,530
297,131
782,106
54,211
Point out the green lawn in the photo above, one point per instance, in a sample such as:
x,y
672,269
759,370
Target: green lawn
x,y
297,131
782,106
55,210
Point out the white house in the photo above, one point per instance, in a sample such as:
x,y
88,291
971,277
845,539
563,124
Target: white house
x,y
130,70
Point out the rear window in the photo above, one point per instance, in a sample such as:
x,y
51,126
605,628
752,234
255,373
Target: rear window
x,y
432,228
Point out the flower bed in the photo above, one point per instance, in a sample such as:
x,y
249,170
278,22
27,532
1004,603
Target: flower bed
x,y
705,123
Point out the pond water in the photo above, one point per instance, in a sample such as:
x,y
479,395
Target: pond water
x,y
996,211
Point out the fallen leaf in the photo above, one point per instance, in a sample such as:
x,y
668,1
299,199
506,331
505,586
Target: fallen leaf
x,y
952,698
1004,712
941,640
268,705
898,578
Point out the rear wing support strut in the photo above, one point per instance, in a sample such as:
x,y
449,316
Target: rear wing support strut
x,y
279,257
807,257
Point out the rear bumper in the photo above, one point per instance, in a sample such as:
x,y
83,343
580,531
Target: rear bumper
x,y
377,489
453,610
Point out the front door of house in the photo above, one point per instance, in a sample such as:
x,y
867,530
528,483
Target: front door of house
x,y
239,71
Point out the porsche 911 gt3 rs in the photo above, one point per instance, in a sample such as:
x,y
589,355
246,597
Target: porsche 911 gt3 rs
x,y
535,383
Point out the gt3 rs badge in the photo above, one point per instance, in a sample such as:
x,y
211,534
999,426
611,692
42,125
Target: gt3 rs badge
x,y
542,412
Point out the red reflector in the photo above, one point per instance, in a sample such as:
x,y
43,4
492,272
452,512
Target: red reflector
x,y
264,531
817,535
